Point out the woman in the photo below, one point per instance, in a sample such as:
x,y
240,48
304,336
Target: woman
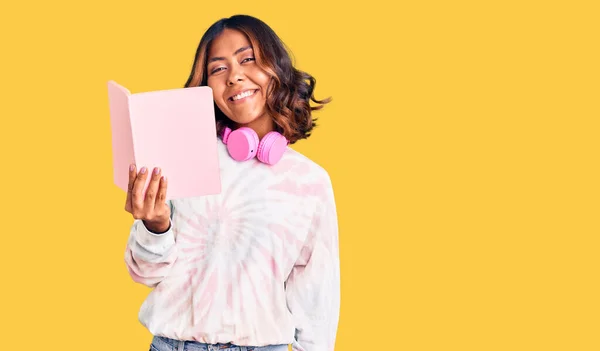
x,y
257,266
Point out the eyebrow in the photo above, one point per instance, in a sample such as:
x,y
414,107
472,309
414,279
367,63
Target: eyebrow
x,y
235,53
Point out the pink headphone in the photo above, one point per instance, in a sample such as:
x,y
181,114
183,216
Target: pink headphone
x,y
243,144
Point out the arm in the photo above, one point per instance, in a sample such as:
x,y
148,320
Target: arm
x,y
149,256
313,287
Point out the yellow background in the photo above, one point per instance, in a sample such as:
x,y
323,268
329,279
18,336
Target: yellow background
x,y
462,143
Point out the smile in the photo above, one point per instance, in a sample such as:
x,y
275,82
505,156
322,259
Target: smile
x,y
242,95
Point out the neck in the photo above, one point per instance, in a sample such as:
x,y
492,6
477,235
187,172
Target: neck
x,y
262,125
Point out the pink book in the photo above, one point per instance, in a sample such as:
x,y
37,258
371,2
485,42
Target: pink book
x,y
172,129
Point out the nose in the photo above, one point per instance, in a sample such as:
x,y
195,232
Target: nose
x,y
236,74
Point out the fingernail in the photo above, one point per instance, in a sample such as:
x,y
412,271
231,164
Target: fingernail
x,y
156,170
131,167
143,170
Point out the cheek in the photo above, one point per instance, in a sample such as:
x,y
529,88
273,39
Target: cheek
x,y
217,93
264,79
221,104
260,77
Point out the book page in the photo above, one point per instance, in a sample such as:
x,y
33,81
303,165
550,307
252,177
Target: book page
x,y
122,142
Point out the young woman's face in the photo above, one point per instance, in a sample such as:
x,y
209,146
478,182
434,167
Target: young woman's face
x,y
239,85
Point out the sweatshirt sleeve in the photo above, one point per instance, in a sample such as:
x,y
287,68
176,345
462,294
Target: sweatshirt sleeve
x,y
313,286
149,256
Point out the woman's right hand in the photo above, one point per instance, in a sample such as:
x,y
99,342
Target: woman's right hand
x,y
149,207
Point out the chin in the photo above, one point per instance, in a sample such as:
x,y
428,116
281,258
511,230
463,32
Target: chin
x,y
243,120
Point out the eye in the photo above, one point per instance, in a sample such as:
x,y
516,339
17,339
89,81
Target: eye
x,y
216,70
248,59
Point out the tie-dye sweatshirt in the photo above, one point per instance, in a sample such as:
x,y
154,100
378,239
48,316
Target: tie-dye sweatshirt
x,y
255,265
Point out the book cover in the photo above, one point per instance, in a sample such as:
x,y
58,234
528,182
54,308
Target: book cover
x,y
173,129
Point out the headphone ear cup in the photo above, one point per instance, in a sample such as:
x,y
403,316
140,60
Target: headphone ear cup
x,y
242,144
271,148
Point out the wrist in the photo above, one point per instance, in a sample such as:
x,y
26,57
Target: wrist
x,y
158,226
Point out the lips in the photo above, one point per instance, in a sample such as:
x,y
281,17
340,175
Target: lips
x,y
242,95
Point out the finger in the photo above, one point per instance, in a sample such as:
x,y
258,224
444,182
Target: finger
x,y
132,176
137,196
162,194
152,189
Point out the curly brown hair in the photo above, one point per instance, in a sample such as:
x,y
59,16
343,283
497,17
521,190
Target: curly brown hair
x,y
290,90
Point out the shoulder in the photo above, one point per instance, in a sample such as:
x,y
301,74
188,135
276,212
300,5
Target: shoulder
x,y
314,180
296,161
294,167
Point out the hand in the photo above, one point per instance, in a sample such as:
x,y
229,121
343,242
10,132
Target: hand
x,y
149,207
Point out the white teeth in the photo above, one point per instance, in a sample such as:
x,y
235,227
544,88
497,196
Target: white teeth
x,y
243,95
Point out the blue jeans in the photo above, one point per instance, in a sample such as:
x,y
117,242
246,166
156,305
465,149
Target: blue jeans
x,y
160,343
